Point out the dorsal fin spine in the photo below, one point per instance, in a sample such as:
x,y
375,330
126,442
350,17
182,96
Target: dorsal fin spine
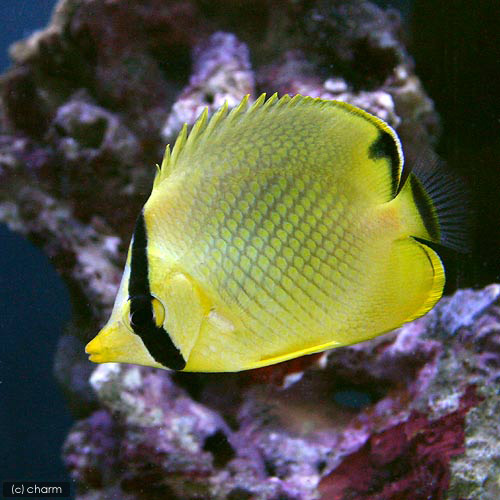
x,y
259,103
284,100
271,101
296,98
240,109
216,118
166,158
157,178
179,144
163,170
198,127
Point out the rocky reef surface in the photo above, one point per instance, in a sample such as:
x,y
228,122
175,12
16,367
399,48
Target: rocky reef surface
x,y
85,113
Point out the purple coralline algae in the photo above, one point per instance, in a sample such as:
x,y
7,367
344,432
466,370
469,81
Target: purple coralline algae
x,y
221,73
85,113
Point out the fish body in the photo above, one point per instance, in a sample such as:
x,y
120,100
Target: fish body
x,y
273,231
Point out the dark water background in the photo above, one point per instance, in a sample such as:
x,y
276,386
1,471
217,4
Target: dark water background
x,y
455,48
34,306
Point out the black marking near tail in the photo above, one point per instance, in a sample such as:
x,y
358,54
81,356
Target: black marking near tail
x,y
425,209
450,203
155,338
385,146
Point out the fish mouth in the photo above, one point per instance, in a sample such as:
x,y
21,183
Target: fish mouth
x,y
108,345
115,343
94,349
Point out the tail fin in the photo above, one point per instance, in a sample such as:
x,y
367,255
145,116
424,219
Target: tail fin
x,y
441,204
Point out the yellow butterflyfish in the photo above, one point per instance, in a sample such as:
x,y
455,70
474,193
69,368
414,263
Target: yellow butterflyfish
x,y
274,230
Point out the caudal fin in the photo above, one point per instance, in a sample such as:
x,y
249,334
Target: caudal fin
x,y
444,206
437,207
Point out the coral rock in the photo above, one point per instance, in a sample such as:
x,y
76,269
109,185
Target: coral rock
x,y
221,73
85,113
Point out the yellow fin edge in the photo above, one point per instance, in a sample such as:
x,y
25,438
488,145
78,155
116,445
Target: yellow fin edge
x,y
293,355
436,290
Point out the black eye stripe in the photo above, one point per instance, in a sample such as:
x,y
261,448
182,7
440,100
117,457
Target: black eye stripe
x,y
141,316
156,339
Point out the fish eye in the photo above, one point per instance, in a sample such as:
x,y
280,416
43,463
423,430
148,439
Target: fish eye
x,y
141,312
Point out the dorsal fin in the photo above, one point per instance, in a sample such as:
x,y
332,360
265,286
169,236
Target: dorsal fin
x,y
162,171
179,144
384,143
217,117
202,127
